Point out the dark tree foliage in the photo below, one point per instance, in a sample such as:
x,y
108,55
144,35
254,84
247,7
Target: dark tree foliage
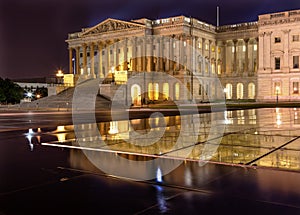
x,y
10,92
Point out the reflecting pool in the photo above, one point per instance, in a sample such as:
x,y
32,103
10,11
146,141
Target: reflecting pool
x,y
262,137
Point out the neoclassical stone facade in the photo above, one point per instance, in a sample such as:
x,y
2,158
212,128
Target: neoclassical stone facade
x,y
249,59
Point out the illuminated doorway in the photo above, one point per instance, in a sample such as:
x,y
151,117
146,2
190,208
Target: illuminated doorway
x,y
176,91
166,91
136,95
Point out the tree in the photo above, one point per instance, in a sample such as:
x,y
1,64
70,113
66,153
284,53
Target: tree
x,y
10,92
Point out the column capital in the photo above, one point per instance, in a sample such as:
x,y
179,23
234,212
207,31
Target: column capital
x,y
246,40
286,31
234,41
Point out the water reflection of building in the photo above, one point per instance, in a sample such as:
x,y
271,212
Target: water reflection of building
x,y
244,56
249,134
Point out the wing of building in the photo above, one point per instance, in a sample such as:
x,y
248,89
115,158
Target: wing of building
x,y
253,61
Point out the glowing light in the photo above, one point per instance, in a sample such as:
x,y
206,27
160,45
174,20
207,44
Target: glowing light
x,y
158,175
29,94
59,73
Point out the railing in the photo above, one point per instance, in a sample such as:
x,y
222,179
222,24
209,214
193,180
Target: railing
x,y
241,26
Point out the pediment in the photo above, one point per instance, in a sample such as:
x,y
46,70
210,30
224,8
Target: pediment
x,y
111,25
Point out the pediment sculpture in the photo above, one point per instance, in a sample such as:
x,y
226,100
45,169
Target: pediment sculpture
x,y
110,25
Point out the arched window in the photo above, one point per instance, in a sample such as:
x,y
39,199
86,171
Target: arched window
x,y
136,94
239,91
228,91
156,91
165,91
150,91
251,90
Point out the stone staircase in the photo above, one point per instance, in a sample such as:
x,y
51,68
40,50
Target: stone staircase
x,y
64,100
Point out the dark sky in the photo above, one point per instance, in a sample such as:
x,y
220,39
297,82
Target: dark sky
x,y
33,32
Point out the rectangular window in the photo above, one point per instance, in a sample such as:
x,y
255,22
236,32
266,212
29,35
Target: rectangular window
x,y
277,63
88,54
244,48
219,69
206,46
213,48
255,47
119,51
295,38
200,89
295,62
277,40
103,52
277,88
232,49
80,55
110,51
295,87
199,45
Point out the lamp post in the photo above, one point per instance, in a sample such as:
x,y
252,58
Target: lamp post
x,y
59,76
277,92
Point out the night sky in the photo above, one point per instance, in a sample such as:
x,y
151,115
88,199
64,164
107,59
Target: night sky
x,y
33,32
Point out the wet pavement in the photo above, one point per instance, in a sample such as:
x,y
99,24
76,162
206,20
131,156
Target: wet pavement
x,y
255,168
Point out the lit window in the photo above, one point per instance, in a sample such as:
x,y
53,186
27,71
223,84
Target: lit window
x,y
295,87
239,91
184,43
232,49
206,46
219,50
295,38
177,88
219,69
199,45
255,47
244,48
213,48
174,45
277,88
295,62
277,40
277,62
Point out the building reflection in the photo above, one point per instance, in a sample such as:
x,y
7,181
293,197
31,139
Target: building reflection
x,y
249,134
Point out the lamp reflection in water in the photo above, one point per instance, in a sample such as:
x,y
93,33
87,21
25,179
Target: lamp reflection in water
x,y
161,199
278,117
29,137
159,175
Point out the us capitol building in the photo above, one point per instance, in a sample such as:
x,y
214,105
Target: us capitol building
x,y
253,61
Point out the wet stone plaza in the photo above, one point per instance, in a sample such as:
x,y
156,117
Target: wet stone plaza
x,y
241,161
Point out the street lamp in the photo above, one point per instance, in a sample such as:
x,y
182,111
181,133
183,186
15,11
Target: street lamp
x,y
59,76
277,92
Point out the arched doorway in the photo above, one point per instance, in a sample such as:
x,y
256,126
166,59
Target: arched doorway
x,y
136,95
